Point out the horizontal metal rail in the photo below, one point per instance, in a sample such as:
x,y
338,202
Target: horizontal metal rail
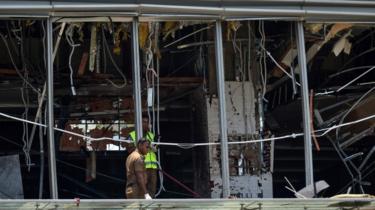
x,y
334,10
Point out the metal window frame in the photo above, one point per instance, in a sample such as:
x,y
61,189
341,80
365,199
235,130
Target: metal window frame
x,y
295,11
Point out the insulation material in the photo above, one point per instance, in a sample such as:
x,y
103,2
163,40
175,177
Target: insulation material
x,y
240,121
336,28
289,57
342,45
314,28
70,143
169,29
10,178
348,47
314,49
143,34
232,26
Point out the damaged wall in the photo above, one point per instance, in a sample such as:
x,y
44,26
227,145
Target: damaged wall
x,y
246,178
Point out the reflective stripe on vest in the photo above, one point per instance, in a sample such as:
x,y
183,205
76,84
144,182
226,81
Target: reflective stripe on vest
x,y
149,136
132,135
151,161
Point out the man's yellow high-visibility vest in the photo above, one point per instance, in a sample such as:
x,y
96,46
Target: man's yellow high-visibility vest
x,y
151,161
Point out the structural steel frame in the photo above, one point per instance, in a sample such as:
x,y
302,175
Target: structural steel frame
x,y
136,79
364,12
51,123
222,107
309,170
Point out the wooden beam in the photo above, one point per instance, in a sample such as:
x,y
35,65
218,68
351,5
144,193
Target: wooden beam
x,y
8,72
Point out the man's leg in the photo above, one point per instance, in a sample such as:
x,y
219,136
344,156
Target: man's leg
x,y
151,181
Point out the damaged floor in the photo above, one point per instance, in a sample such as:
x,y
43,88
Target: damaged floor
x,y
94,97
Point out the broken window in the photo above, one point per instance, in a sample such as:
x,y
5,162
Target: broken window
x,y
95,103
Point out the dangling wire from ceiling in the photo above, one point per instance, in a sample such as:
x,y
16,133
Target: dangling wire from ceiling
x,y
69,38
262,59
114,64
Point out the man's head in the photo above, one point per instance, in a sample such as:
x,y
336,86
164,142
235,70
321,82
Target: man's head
x,y
142,146
145,125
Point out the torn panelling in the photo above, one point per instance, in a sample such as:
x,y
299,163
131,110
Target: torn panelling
x,y
343,45
99,133
232,27
70,143
143,34
170,28
290,53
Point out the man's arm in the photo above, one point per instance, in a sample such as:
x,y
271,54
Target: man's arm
x,y
139,167
141,180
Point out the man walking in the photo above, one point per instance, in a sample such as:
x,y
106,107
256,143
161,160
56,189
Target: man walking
x,y
151,162
136,173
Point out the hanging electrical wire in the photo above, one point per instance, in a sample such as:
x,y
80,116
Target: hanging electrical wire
x,y
12,43
150,72
264,60
25,130
149,69
17,30
15,65
156,47
192,145
294,82
238,50
44,45
279,66
69,33
26,101
41,96
261,59
113,62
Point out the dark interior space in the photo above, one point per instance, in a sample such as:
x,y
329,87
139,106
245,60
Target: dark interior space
x,y
94,97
